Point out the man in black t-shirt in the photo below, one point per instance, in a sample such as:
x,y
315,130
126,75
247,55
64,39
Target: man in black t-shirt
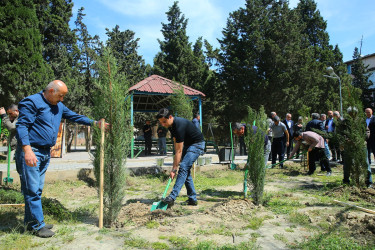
x,y
188,144
147,133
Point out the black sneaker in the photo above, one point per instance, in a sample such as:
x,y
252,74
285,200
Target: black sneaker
x,y
169,201
191,202
44,233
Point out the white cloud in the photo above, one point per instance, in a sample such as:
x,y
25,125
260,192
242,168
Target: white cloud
x,y
205,18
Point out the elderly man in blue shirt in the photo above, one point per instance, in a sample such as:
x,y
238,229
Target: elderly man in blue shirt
x,y
37,128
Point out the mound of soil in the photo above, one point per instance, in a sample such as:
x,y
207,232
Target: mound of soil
x,y
140,214
363,228
356,194
232,207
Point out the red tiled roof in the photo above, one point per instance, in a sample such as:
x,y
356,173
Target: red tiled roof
x,y
158,84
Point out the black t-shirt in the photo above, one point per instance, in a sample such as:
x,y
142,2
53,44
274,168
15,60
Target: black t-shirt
x,y
162,132
148,133
185,131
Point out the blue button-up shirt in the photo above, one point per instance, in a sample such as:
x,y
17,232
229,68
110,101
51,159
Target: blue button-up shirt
x,y
39,121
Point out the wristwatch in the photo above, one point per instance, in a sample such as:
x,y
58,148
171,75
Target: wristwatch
x,y
174,170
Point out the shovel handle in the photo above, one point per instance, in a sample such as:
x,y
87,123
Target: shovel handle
x,y
166,188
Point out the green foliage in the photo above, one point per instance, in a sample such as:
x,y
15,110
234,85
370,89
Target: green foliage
x,y
10,196
111,105
136,243
186,63
159,245
83,85
124,47
57,38
255,144
16,240
172,61
54,208
329,240
181,104
23,70
271,52
255,223
351,134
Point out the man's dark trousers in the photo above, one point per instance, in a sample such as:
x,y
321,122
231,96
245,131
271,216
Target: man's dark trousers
x,y
318,154
148,145
278,148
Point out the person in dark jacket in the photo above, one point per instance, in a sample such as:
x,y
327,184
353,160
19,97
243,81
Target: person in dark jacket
x,y
147,133
370,141
290,127
298,127
315,123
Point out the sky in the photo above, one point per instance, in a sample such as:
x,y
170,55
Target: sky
x,y
347,21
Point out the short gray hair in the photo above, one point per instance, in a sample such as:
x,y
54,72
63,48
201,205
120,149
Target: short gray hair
x,y
237,126
315,116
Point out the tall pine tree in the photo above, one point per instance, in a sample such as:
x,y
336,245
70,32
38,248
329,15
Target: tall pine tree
x,y
22,68
124,47
173,60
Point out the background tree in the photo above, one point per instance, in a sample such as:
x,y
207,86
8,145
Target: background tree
x,y
361,78
22,68
109,104
57,37
124,47
351,134
181,104
270,50
82,77
172,61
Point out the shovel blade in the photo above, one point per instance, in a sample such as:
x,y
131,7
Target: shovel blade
x,y
159,205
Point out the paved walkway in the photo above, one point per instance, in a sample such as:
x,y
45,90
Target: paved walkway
x,y
80,159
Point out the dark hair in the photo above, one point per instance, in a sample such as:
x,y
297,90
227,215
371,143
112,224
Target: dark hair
x,y
164,112
276,119
13,107
297,134
237,126
196,115
315,116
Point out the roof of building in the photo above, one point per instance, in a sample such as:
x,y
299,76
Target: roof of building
x,y
362,57
151,94
161,85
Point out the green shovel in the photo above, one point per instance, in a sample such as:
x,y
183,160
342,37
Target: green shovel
x,y
160,204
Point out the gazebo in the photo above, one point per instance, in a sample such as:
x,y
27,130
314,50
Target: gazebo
x,y
150,95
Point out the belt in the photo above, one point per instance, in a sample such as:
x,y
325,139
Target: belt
x,y
40,147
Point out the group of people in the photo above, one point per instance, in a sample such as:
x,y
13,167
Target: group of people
x,y
35,123
286,137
